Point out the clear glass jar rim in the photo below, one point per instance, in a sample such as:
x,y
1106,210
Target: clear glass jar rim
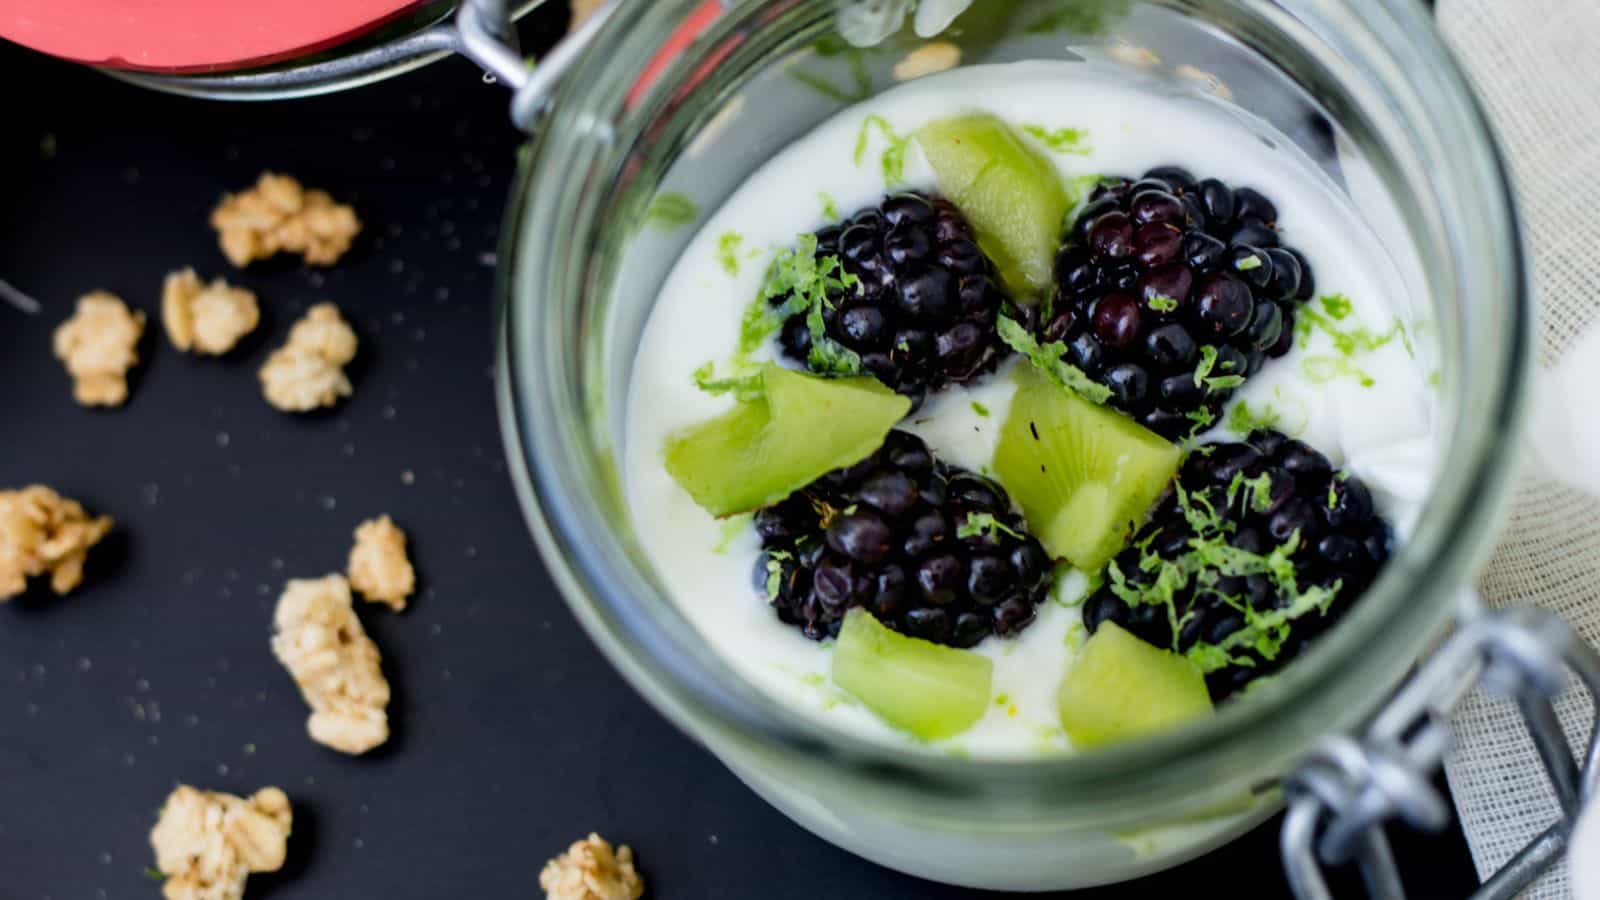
x,y
598,586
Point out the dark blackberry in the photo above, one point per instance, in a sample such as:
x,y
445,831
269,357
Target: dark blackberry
x,y
1156,270
930,550
923,313
1261,547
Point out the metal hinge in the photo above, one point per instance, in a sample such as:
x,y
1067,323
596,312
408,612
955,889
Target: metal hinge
x,y
1342,797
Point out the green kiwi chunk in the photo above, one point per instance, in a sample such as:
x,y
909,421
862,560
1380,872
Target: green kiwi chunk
x,y
779,437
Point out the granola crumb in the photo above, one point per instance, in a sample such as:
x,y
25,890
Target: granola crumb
x,y
1207,81
208,843
590,870
99,344
378,566
337,667
1132,55
43,532
307,372
929,59
208,319
278,215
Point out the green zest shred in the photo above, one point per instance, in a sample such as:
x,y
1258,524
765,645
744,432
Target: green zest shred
x,y
1061,140
1208,360
893,159
1326,316
805,281
985,524
1210,556
1337,306
1242,419
775,561
1163,303
1257,491
1248,263
728,247
830,207
742,386
980,409
671,210
1212,383
1323,369
1047,358
830,357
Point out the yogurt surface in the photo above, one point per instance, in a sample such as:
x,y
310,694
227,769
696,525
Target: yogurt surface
x,y
1372,410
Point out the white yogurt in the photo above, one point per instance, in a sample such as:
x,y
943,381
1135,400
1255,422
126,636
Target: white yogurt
x,y
1374,411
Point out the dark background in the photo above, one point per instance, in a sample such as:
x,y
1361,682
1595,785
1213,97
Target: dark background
x,y
512,736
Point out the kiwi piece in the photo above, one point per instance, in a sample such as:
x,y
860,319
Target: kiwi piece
x,y
1121,688
788,431
1085,475
1011,194
927,689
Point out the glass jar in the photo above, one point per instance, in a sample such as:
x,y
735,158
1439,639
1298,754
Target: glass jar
x,y
1362,87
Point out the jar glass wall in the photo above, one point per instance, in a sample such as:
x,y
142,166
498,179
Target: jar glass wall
x,y
1366,94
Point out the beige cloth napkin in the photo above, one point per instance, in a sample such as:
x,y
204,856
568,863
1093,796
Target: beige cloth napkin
x,y
1536,64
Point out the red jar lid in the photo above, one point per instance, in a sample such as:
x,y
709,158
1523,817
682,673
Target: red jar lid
x,y
190,35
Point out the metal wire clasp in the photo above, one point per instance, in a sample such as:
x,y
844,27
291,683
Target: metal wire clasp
x,y
488,38
1343,795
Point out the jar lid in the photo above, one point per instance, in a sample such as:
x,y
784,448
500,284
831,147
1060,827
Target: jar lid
x,y
189,35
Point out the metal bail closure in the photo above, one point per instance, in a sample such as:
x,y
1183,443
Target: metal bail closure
x,y
486,37
1344,794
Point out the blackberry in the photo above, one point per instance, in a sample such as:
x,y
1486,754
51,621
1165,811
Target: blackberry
x,y
931,550
1261,547
923,313
1171,291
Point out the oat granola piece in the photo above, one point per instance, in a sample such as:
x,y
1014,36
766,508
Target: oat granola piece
x,y
378,566
44,532
321,642
206,318
99,344
929,59
590,870
307,372
207,843
278,215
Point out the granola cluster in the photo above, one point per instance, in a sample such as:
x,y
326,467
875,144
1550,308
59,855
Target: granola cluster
x,y
378,566
337,667
99,344
278,215
205,318
43,532
207,844
590,870
929,59
307,372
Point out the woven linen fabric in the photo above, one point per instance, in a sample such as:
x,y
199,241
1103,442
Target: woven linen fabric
x,y
1536,65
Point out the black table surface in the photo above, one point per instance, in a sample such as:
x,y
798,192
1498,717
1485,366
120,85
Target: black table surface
x,y
512,736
